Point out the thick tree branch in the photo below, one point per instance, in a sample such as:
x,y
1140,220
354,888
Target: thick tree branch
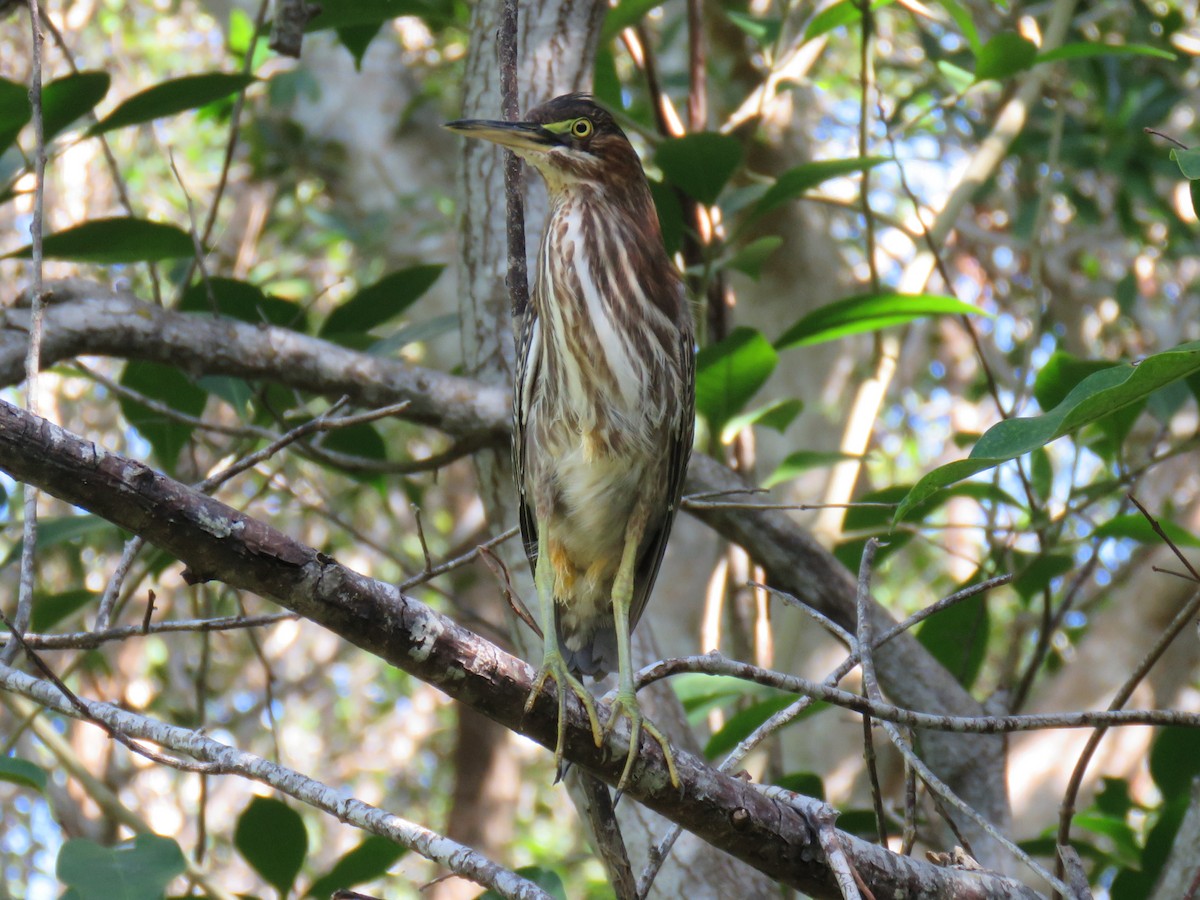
x,y
87,318
217,542
83,317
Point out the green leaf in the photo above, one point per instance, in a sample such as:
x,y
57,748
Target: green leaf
x,y
66,99
1175,760
15,111
410,334
167,385
139,869
957,637
739,726
869,312
624,14
270,836
700,163
366,12
798,180
844,13
796,464
121,239
1061,374
369,860
1135,527
243,301
50,609
751,258
729,373
763,31
547,879
381,301
357,38
1037,575
1099,395
1089,50
1041,474
22,772
1188,162
777,415
700,694
808,784
56,530
172,97
1003,56
962,18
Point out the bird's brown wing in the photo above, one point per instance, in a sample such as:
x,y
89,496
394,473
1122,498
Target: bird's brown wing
x,y
679,452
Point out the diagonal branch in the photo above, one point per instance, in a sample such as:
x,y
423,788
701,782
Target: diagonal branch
x,y
217,542
83,317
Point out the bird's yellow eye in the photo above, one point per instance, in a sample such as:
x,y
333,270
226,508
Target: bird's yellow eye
x,y
581,128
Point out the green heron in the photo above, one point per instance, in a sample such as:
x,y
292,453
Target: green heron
x,y
603,404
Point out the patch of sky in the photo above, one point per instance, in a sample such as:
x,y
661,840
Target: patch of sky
x,y
1075,619
243,701
937,369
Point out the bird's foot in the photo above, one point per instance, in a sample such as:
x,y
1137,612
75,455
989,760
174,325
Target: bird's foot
x,y
626,704
555,667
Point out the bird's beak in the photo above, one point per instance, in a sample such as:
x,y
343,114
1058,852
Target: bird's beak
x,y
516,136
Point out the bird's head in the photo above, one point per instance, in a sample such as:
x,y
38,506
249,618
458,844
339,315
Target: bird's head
x,y
569,140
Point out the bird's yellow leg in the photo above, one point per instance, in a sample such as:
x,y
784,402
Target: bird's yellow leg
x,y
627,703
553,665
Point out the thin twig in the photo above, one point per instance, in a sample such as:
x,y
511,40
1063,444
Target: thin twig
x,y
514,179
33,352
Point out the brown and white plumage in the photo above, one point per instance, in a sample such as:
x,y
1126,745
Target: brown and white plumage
x,y
604,399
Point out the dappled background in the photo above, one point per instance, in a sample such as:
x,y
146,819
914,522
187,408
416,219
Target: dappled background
x,y
338,218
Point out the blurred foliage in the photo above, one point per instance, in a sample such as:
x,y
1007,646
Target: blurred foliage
x,y
1073,268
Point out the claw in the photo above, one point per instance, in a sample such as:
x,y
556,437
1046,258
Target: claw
x,y
626,705
555,667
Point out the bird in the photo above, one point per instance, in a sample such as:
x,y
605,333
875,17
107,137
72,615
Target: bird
x,y
603,403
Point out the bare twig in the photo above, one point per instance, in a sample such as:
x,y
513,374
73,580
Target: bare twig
x,y
33,351
90,640
225,759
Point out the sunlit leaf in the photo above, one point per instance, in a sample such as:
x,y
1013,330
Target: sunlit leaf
x,y
1134,527
22,772
962,18
121,239
796,464
700,163
763,31
802,178
625,14
869,312
844,13
1096,397
169,98
729,373
270,835
1089,50
777,415
1188,161
751,258
55,530
139,869
739,726
1003,56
